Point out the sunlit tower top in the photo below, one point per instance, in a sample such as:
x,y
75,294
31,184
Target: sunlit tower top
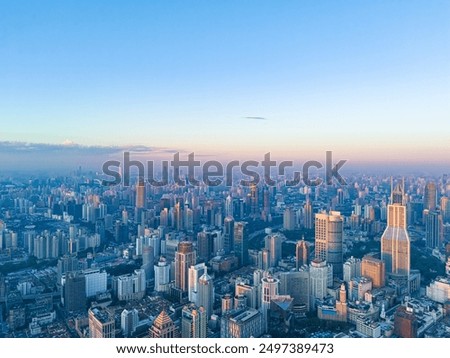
x,y
398,193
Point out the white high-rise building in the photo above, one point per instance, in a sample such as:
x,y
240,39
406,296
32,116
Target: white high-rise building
x,y
205,295
352,268
319,274
129,321
195,272
269,287
130,287
96,281
162,275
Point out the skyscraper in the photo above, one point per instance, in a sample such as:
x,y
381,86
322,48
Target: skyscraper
x,y
433,228
75,292
269,287
148,261
328,240
194,322
228,234
195,272
162,275
128,321
308,221
289,219
185,257
273,243
140,194
240,242
318,277
430,196
205,295
395,242
301,253
445,209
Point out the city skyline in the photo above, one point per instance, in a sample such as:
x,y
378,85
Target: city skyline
x,y
258,169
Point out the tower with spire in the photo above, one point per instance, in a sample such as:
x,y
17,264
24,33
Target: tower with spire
x,y
395,241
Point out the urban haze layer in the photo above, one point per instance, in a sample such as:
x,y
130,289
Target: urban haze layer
x,y
289,169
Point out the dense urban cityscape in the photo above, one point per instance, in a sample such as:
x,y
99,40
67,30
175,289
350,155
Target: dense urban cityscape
x,y
276,172
365,259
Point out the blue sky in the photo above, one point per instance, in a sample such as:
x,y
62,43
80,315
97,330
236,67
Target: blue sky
x,y
369,80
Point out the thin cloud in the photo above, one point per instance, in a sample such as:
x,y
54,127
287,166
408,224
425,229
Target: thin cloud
x,y
74,148
257,118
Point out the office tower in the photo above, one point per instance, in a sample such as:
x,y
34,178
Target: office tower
x,y
163,327
352,268
242,323
101,323
164,217
301,253
240,242
228,234
405,323
178,217
308,218
75,292
195,272
319,279
66,264
194,322
148,261
205,296
395,242
445,209
140,194
162,275
266,201
185,257
340,196
269,290
227,303
433,228
254,209
430,197
328,240
129,320
264,259
229,206
96,281
374,269
130,287
297,285
289,219
205,245
273,243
